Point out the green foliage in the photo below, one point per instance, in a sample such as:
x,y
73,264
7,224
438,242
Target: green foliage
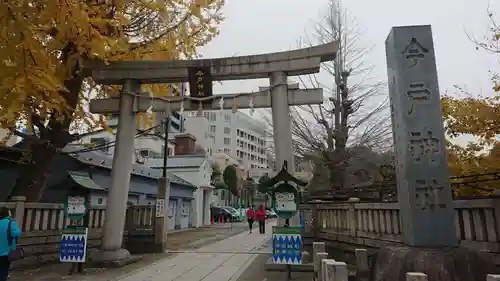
x,y
231,179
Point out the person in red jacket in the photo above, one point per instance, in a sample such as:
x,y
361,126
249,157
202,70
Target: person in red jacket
x,y
260,214
250,217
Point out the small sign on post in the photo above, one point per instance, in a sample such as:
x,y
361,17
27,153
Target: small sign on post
x,y
160,208
285,200
76,207
200,82
73,243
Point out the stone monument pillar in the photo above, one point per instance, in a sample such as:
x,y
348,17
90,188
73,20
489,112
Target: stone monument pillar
x,y
424,193
427,213
161,216
111,247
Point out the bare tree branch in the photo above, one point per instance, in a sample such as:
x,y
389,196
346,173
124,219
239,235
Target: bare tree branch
x,y
354,113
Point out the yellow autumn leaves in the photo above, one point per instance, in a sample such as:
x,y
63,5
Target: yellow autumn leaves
x,y
479,117
476,116
44,45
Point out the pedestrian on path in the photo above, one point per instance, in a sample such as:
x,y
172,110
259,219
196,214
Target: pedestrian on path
x,y
9,232
251,217
260,214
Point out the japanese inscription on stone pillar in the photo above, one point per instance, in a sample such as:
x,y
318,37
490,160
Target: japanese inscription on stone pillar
x,y
424,193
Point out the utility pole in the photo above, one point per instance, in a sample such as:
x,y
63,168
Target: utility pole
x,y
165,146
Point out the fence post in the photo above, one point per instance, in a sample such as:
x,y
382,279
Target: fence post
x,y
353,223
416,276
492,277
160,217
362,268
315,218
317,265
318,247
19,209
325,265
336,271
496,208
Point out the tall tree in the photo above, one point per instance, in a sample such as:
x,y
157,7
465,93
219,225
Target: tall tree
x,y
45,45
354,111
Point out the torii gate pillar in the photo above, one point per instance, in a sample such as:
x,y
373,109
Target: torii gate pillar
x,y
282,128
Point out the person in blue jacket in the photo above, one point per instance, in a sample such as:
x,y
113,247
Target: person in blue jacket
x,y
5,248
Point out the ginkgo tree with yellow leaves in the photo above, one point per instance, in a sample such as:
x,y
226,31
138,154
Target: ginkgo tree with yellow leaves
x,y
479,117
43,49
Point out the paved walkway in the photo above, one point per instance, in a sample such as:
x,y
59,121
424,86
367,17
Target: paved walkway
x,y
225,260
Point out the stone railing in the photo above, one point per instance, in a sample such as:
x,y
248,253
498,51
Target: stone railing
x,y
374,224
42,223
327,269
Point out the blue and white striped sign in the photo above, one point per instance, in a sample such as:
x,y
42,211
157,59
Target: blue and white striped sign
x,y
73,246
287,245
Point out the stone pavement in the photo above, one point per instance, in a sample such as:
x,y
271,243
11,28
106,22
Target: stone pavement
x,y
225,260
191,239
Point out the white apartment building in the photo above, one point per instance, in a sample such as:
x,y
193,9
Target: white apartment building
x,y
237,135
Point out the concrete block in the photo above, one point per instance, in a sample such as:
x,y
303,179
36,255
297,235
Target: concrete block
x,y
416,276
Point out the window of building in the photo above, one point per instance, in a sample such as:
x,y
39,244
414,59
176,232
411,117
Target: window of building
x,y
227,130
206,115
213,116
227,141
227,118
212,128
227,151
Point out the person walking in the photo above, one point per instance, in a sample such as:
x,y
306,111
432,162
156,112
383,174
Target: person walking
x,y
9,232
250,217
260,215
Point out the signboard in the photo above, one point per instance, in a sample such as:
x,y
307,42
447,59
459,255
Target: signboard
x,y
200,82
160,208
73,245
76,207
287,245
285,200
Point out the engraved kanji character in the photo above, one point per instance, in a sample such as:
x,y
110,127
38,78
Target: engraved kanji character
x,y
417,93
424,145
427,194
414,52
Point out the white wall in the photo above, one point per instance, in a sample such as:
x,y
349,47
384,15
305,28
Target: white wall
x,y
100,199
198,178
198,127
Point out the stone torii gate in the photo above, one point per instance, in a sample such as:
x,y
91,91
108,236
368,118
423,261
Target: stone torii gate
x,y
131,74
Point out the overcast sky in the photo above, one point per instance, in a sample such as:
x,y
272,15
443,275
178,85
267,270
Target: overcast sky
x,y
262,26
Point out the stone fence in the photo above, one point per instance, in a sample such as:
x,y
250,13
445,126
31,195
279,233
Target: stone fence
x,y
42,224
327,269
374,224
